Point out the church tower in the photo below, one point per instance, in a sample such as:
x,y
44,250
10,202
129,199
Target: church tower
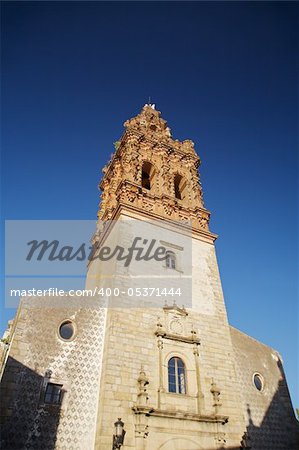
x,y
150,351
167,368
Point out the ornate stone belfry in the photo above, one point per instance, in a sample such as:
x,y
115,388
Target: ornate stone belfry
x,y
154,174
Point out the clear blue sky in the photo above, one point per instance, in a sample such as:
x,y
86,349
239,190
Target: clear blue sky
x,y
223,74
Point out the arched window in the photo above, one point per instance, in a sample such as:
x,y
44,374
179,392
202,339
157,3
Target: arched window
x,y
176,376
179,187
170,260
147,175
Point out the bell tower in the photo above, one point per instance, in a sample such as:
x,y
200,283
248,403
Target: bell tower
x,y
180,345
154,175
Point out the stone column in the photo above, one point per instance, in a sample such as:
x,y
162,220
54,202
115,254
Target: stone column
x,y
200,396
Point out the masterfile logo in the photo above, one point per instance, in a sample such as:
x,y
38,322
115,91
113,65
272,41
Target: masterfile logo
x,y
127,258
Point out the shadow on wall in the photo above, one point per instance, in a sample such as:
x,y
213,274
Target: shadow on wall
x,y
279,429
27,422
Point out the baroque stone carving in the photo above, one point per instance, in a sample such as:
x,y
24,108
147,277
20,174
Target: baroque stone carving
x,y
216,396
176,327
142,396
147,138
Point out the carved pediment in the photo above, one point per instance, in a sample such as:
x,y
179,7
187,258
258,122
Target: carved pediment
x,y
175,326
175,309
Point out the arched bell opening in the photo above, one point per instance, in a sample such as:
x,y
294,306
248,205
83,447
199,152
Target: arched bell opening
x,y
180,187
147,175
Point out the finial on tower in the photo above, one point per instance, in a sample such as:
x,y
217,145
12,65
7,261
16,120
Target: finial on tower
x,y
151,105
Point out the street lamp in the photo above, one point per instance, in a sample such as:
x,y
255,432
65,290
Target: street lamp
x,y
119,434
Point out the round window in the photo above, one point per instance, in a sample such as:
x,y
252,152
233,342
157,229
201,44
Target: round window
x,y
258,381
66,330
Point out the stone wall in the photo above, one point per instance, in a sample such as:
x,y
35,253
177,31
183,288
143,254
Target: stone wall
x,y
37,355
270,419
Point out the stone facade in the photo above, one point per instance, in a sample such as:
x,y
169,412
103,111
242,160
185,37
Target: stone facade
x,y
37,356
118,362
